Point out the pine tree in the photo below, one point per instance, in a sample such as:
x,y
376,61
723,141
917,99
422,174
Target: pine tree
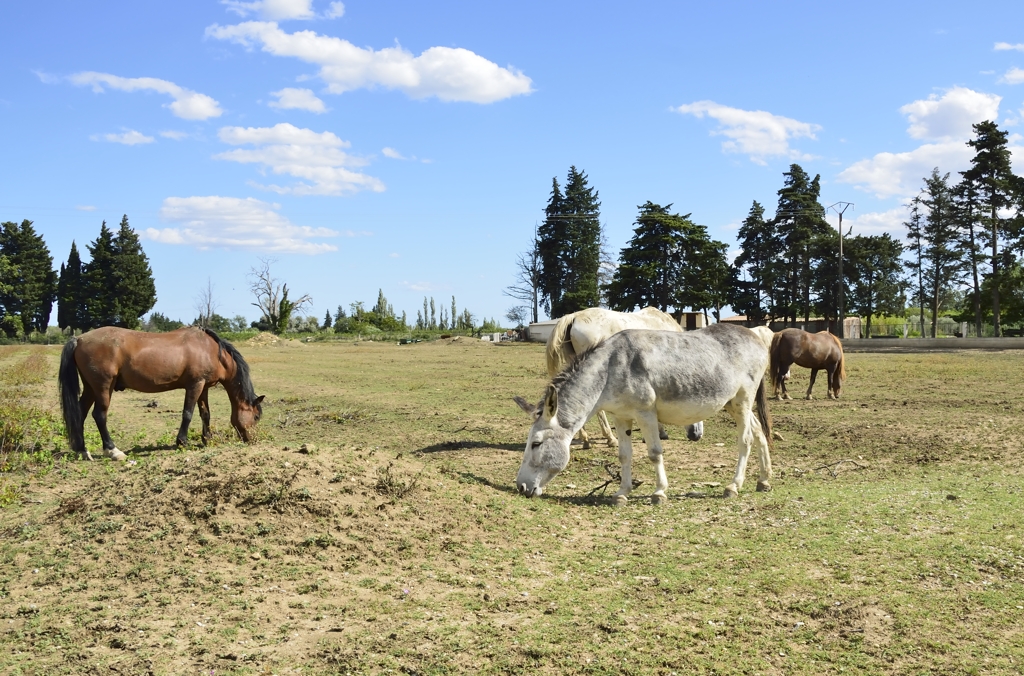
x,y
34,286
760,246
969,242
915,246
943,263
433,315
552,250
71,293
996,186
876,270
582,211
136,290
328,321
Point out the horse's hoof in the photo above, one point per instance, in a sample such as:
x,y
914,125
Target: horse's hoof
x,y
657,499
116,455
763,486
613,443
619,500
777,437
586,445
730,493
786,396
663,436
85,456
809,398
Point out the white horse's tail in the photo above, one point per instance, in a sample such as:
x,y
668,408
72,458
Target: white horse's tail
x,y
559,348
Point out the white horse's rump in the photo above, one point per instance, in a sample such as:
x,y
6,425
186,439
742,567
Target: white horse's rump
x,y
647,376
578,332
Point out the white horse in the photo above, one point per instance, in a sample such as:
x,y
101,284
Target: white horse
x,y
649,376
577,332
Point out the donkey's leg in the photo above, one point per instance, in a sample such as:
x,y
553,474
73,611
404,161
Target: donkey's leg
x,y
649,425
606,429
99,414
624,429
86,401
814,374
192,393
739,409
204,413
764,458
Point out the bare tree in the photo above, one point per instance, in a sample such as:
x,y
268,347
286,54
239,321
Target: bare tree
x,y
527,286
272,296
205,305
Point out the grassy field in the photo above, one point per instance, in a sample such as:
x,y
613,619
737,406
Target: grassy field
x,y
375,529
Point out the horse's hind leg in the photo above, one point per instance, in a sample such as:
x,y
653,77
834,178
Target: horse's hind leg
x,y
606,429
86,401
814,374
649,427
99,414
192,394
204,413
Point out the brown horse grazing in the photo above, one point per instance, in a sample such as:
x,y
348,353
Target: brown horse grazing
x,y
190,358
810,350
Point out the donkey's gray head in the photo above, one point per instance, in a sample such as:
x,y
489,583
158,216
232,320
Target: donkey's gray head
x,y
547,445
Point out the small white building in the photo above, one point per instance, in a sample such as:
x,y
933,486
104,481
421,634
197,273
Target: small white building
x,y
539,332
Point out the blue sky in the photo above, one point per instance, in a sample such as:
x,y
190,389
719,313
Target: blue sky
x,y
410,146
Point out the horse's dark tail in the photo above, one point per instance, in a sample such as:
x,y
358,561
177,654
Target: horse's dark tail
x,y
763,413
69,392
775,362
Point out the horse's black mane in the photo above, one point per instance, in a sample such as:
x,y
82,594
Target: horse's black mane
x,y
242,380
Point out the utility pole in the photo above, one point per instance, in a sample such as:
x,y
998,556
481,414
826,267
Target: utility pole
x,y
840,208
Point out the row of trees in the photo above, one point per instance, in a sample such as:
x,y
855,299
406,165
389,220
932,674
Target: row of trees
x,y
964,240
115,287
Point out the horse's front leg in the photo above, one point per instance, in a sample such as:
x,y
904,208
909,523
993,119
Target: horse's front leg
x,y
99,414
649,426
204,414
624,430
192,393
814,374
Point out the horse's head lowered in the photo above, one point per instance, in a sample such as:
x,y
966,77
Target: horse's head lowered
x,y
547,445
245,415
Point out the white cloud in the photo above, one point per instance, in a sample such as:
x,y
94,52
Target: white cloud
x,y
85,207
902,174
1013,76
1006,46
317,158
450,74
174,135
755,133
187,104
951,116
335,10
290,98
393,154
420,286
275,10
233,223
129,137
873,223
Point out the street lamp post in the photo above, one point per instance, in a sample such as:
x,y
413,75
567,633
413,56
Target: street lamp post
x,y
840,208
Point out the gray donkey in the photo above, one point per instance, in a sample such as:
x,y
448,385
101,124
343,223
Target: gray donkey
x,y
647,376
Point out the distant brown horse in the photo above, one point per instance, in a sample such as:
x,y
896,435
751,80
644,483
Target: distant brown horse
x,y
190,358
810,350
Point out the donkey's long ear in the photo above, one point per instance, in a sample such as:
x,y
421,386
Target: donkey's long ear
x,y
550,403
525,405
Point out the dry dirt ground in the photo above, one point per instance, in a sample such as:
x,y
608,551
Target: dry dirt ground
x,y
374,528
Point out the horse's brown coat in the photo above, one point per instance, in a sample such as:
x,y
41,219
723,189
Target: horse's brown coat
x,y
110,359
811,350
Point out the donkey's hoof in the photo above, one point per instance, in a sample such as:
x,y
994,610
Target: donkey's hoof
x,y
116,455
663,436
730,492
763,486
658,499
787,397
619,500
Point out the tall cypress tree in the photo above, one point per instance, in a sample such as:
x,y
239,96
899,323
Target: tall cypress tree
x,y
552,250
71,293
34,287
136,290
101,281
582,211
